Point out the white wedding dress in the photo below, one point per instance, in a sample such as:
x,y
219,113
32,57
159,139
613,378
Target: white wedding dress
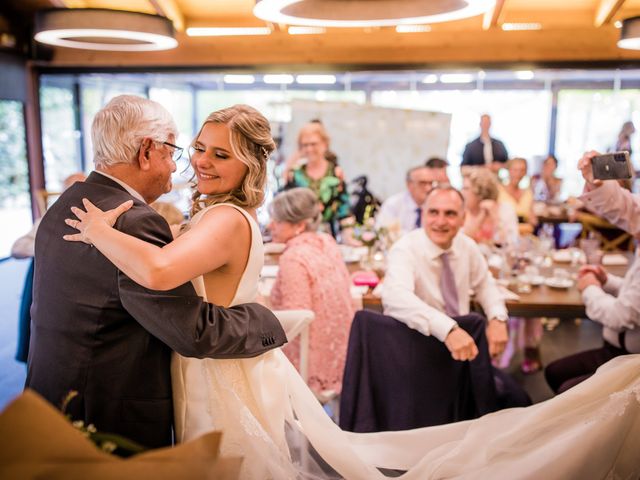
x,y
267,415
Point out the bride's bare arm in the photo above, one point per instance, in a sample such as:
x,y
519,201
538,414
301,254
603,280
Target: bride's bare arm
x,y
204,248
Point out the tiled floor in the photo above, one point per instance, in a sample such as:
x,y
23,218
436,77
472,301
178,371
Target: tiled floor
x,y
570,336
567,338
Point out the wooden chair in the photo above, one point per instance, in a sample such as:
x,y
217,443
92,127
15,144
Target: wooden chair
x,y
610,237
43,199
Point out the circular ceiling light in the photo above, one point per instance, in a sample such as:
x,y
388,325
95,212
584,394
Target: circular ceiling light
x,y
103,29
367,13
630,34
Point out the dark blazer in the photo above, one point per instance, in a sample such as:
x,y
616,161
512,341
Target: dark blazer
x,y
96,331
474,152
415,382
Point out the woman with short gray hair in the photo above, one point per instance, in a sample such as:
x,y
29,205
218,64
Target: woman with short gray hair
x,y
312,276
298,205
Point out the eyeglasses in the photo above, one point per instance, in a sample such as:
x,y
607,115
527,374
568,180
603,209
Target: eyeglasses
x,y
431,184
177,151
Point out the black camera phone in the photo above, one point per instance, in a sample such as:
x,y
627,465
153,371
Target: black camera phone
x,y
612,166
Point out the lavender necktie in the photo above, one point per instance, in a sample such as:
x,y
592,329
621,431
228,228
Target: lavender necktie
x,y
448,287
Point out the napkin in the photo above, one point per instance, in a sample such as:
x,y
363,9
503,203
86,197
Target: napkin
x,y
508,294
614,259
39,442
269,271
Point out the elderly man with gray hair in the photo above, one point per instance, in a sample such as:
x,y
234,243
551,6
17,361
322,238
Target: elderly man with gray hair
x,y
94,330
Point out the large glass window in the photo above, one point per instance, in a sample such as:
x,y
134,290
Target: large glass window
x,y
15,203
520,118
521,111
180,102
591,120
60,135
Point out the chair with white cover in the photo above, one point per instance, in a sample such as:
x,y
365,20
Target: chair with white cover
x,y
294,323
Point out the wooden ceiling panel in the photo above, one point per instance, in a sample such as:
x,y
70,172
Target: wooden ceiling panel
x,y
568,34
216,8
630,8
563,5
143,6
549,18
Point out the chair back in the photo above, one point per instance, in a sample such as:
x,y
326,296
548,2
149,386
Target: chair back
x,y
397,378
294,323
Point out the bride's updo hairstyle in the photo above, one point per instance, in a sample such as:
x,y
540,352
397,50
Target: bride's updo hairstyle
x,y
295,206
252,144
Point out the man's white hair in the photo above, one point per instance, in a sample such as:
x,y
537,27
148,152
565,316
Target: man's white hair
x,y
119,128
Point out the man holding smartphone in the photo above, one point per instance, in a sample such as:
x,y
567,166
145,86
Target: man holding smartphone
x,y
608,199
609,300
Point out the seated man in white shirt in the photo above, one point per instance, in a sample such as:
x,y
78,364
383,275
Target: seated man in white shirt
x,y
412,286
613,302
430,274
402,210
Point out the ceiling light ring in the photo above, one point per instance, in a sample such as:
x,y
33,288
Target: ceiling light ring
x,y
65,27
271,10
630,34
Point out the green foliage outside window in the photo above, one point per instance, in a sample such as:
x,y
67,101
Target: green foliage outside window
x,y
14,174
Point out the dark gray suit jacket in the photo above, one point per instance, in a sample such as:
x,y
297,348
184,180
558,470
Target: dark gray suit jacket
x,y
96,331
474,152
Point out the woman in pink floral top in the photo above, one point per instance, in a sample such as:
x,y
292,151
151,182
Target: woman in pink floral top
x,y
313,276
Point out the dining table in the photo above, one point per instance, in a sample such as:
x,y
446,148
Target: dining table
x,y
539,300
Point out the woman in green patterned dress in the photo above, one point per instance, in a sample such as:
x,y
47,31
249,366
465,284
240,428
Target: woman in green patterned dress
x,y
321,174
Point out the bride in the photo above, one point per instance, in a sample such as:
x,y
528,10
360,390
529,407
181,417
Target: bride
x,y
268,414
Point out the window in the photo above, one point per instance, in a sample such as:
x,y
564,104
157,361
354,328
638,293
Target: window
x,y
591,120
524,134
61,142
15,203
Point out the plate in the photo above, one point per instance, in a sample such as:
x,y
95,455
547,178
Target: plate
x,y
558,282
562,256
534,280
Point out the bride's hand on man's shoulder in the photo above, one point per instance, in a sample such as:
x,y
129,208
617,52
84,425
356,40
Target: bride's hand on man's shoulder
x,y
91,219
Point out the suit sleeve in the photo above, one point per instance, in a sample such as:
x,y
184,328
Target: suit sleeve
x,y
617,205
501,152
184,321
466,155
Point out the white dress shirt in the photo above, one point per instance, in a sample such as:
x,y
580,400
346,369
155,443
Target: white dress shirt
x,y
617,205
617,307
129,190
399,209
487,150
411,290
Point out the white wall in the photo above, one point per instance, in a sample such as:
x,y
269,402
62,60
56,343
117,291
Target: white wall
x,y
381,143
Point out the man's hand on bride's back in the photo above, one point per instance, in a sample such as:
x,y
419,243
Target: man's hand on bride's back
x,y
89,222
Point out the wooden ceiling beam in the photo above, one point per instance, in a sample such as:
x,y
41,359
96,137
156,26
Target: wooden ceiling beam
x,y
171,10
490,18
605,11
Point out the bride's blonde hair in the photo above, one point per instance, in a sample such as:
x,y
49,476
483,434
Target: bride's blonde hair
x,y
251,143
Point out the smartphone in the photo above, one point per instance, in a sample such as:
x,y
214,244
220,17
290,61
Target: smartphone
x,y
612,166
